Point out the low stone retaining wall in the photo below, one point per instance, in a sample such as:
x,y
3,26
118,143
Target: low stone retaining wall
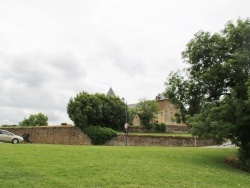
x,y
169,141
74,136
177,129
53,134
169,129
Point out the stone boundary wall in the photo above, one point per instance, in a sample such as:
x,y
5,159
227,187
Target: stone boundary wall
x,y
74,136
53,134
177,129
169,141
169,129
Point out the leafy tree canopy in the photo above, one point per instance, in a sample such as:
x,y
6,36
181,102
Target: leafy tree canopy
x,y
35,120
213,92
96,109
147,110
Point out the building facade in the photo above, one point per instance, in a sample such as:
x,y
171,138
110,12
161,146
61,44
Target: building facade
x,y
166,114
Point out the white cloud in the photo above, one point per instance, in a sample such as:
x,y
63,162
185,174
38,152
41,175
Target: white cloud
x,y
53,49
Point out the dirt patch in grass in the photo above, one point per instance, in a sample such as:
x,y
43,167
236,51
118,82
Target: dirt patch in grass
x,y
231,160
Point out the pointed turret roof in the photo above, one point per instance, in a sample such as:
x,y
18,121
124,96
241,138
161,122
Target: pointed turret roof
x,y
111,92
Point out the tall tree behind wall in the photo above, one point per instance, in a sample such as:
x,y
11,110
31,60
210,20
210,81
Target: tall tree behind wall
x,y
213,92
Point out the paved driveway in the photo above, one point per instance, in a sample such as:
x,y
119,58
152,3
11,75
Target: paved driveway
x,y
224,145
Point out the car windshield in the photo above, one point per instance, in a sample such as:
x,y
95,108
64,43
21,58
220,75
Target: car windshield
x,y
6,132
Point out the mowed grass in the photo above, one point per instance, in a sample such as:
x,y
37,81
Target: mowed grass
x,y
41,165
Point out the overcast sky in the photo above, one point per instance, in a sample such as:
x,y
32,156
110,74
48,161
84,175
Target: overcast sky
x,y
50,50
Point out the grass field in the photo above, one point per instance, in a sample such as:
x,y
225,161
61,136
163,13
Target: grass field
x,y
41,165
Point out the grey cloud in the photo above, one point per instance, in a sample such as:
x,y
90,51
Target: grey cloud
x,y
67,63
38,82
22,101
10,116
56,117
29,70
35,70
87,46
122,60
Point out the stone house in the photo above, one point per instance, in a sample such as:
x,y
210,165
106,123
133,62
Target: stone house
x,y
167,111
166,114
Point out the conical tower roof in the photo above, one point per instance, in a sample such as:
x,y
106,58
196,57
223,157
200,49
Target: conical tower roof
x,y
111,92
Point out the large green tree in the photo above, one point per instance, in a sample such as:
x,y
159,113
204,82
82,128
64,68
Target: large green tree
x,y
147,111
35,120
213,92
96,109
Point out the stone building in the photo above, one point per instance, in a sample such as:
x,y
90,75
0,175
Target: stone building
x,y
167,111
166,114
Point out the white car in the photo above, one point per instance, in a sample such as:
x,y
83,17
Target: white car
x,y
6,136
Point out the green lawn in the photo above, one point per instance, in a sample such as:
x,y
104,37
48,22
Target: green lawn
x,y
40,165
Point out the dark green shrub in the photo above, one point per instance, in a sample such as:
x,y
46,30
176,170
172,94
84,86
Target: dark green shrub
x,y
35,120
99,135
159,127
237,162
244,159
8,125
232,160
96,109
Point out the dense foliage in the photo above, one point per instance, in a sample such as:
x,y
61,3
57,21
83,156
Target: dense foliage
x,y
97,109
159,127
147,111
99,135
35,120
213,93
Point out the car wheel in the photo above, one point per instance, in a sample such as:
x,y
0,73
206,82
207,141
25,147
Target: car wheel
x,y
15,141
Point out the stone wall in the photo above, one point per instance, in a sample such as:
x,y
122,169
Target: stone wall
x,y
169,129
74,136
177,129
169,141
53,135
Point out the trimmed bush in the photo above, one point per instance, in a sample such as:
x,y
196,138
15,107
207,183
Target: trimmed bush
x,y
244,160
99,135
159,127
